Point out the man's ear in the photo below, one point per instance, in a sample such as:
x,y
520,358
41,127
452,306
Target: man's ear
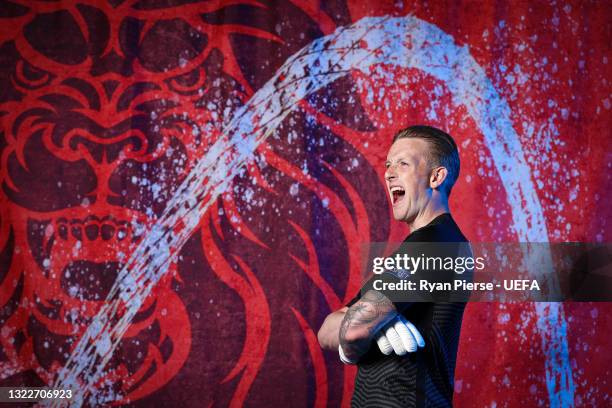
x,y
438,175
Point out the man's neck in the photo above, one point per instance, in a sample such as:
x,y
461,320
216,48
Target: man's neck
x,y
428,214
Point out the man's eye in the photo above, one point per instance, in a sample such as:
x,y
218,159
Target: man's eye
x,y
387,165
404,163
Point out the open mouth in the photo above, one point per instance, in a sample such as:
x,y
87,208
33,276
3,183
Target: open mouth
x,y
89,280
397,194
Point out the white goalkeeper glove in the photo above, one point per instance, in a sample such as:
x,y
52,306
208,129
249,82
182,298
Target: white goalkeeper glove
x,y
399,336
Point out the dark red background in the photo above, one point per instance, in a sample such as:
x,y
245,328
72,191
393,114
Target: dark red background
x,y
105,106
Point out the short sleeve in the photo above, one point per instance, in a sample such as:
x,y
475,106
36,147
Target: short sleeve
x,y
399,306
354,300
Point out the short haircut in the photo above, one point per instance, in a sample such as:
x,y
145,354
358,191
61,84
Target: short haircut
x,y
442,151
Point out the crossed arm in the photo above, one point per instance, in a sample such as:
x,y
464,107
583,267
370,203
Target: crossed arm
x,y
354,328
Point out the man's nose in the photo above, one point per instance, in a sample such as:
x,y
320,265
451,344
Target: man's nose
x,y
390,173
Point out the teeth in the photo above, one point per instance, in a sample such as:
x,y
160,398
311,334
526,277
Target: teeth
x,y
394,189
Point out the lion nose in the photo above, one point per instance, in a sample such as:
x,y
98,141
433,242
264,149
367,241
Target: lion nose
x,y
100,148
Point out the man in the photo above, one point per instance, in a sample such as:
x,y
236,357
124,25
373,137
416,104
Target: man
x,y
421,168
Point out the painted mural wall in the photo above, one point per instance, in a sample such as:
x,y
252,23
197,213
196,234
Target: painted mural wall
x,y
187,187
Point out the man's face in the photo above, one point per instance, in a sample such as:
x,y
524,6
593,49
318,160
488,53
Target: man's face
x,y
407,178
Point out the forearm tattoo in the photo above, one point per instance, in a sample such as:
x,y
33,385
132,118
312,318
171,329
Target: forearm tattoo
x,y
362,321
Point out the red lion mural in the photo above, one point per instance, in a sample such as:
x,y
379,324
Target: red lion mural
x,y
105,109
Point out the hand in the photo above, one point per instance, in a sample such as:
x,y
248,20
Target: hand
x,y
399,336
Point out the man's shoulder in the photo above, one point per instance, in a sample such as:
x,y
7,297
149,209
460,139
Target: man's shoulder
x,y
442,229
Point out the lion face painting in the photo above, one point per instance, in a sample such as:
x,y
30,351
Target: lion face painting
x,y
187,187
